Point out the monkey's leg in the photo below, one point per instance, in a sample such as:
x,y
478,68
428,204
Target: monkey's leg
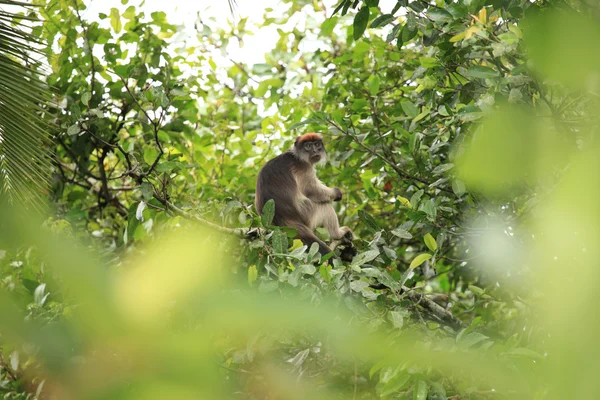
x,y
326,216
308,237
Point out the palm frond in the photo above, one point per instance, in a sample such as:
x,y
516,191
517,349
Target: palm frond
x,y
232,5
24,154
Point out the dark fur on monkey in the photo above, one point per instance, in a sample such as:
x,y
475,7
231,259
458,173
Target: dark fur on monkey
x,y
301,200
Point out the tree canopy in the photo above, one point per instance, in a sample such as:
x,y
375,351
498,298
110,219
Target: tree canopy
x,y
462,134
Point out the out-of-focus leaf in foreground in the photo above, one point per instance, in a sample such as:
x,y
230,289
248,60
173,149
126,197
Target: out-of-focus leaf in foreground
x,y
513,147
156,326
563,46
558,249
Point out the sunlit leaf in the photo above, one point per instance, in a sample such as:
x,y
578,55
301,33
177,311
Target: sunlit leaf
x,y
430,242
420,259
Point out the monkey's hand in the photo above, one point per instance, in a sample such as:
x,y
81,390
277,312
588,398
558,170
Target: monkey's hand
x,y
337,194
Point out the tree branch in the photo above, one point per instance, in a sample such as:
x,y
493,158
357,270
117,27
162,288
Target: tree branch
x,y
155,126
242,232
434,308
383,158
431,306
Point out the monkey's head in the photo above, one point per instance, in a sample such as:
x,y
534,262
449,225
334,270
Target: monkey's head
x,y
309,148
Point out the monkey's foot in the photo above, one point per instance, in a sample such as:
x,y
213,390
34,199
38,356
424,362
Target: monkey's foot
x,y
348,236
348,252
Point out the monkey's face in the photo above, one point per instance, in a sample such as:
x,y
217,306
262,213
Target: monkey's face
x,y
313,152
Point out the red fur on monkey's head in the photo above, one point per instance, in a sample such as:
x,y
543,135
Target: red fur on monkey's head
x,y
308,137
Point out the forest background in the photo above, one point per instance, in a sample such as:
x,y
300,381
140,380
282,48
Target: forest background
x,y
463,136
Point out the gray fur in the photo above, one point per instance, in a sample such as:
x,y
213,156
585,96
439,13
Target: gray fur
x,y
302,201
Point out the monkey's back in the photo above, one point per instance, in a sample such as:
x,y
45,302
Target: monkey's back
x,y
276,181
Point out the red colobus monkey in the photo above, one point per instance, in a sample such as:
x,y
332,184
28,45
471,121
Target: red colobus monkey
x,y
301,200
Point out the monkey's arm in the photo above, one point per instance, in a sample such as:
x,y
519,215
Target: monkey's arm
x,y
320,193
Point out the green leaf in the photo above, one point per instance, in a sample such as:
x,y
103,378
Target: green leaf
x,y
476,290
481,72
409,108
420,391
401,233
115,20
268,212
421,116
369,221
166,167
416,197
440,169
404,201
397,381
314,249
308,269
325,272
326,28
358,286
408,33
394,33
40,295
266,84
279,241
416,6
73,130
364,258
374,83
472,339
522,352
298,253
268,286
150,154
375,368
396,318
252,275
429,62
458,187
430,242
414,143
358,104
356,305
439,15
430,208
345,4
457,37
129,13
390,253
420,259
85,97
360,22
147,191
382,20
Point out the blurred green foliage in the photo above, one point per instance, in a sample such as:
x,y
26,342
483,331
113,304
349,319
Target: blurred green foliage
x,y
463,135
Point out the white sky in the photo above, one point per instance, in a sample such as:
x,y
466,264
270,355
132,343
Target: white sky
x,y
185,12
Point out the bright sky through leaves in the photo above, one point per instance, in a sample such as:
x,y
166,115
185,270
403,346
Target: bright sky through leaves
x,y
185,12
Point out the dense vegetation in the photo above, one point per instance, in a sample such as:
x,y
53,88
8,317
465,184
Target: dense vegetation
x,y
462,133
